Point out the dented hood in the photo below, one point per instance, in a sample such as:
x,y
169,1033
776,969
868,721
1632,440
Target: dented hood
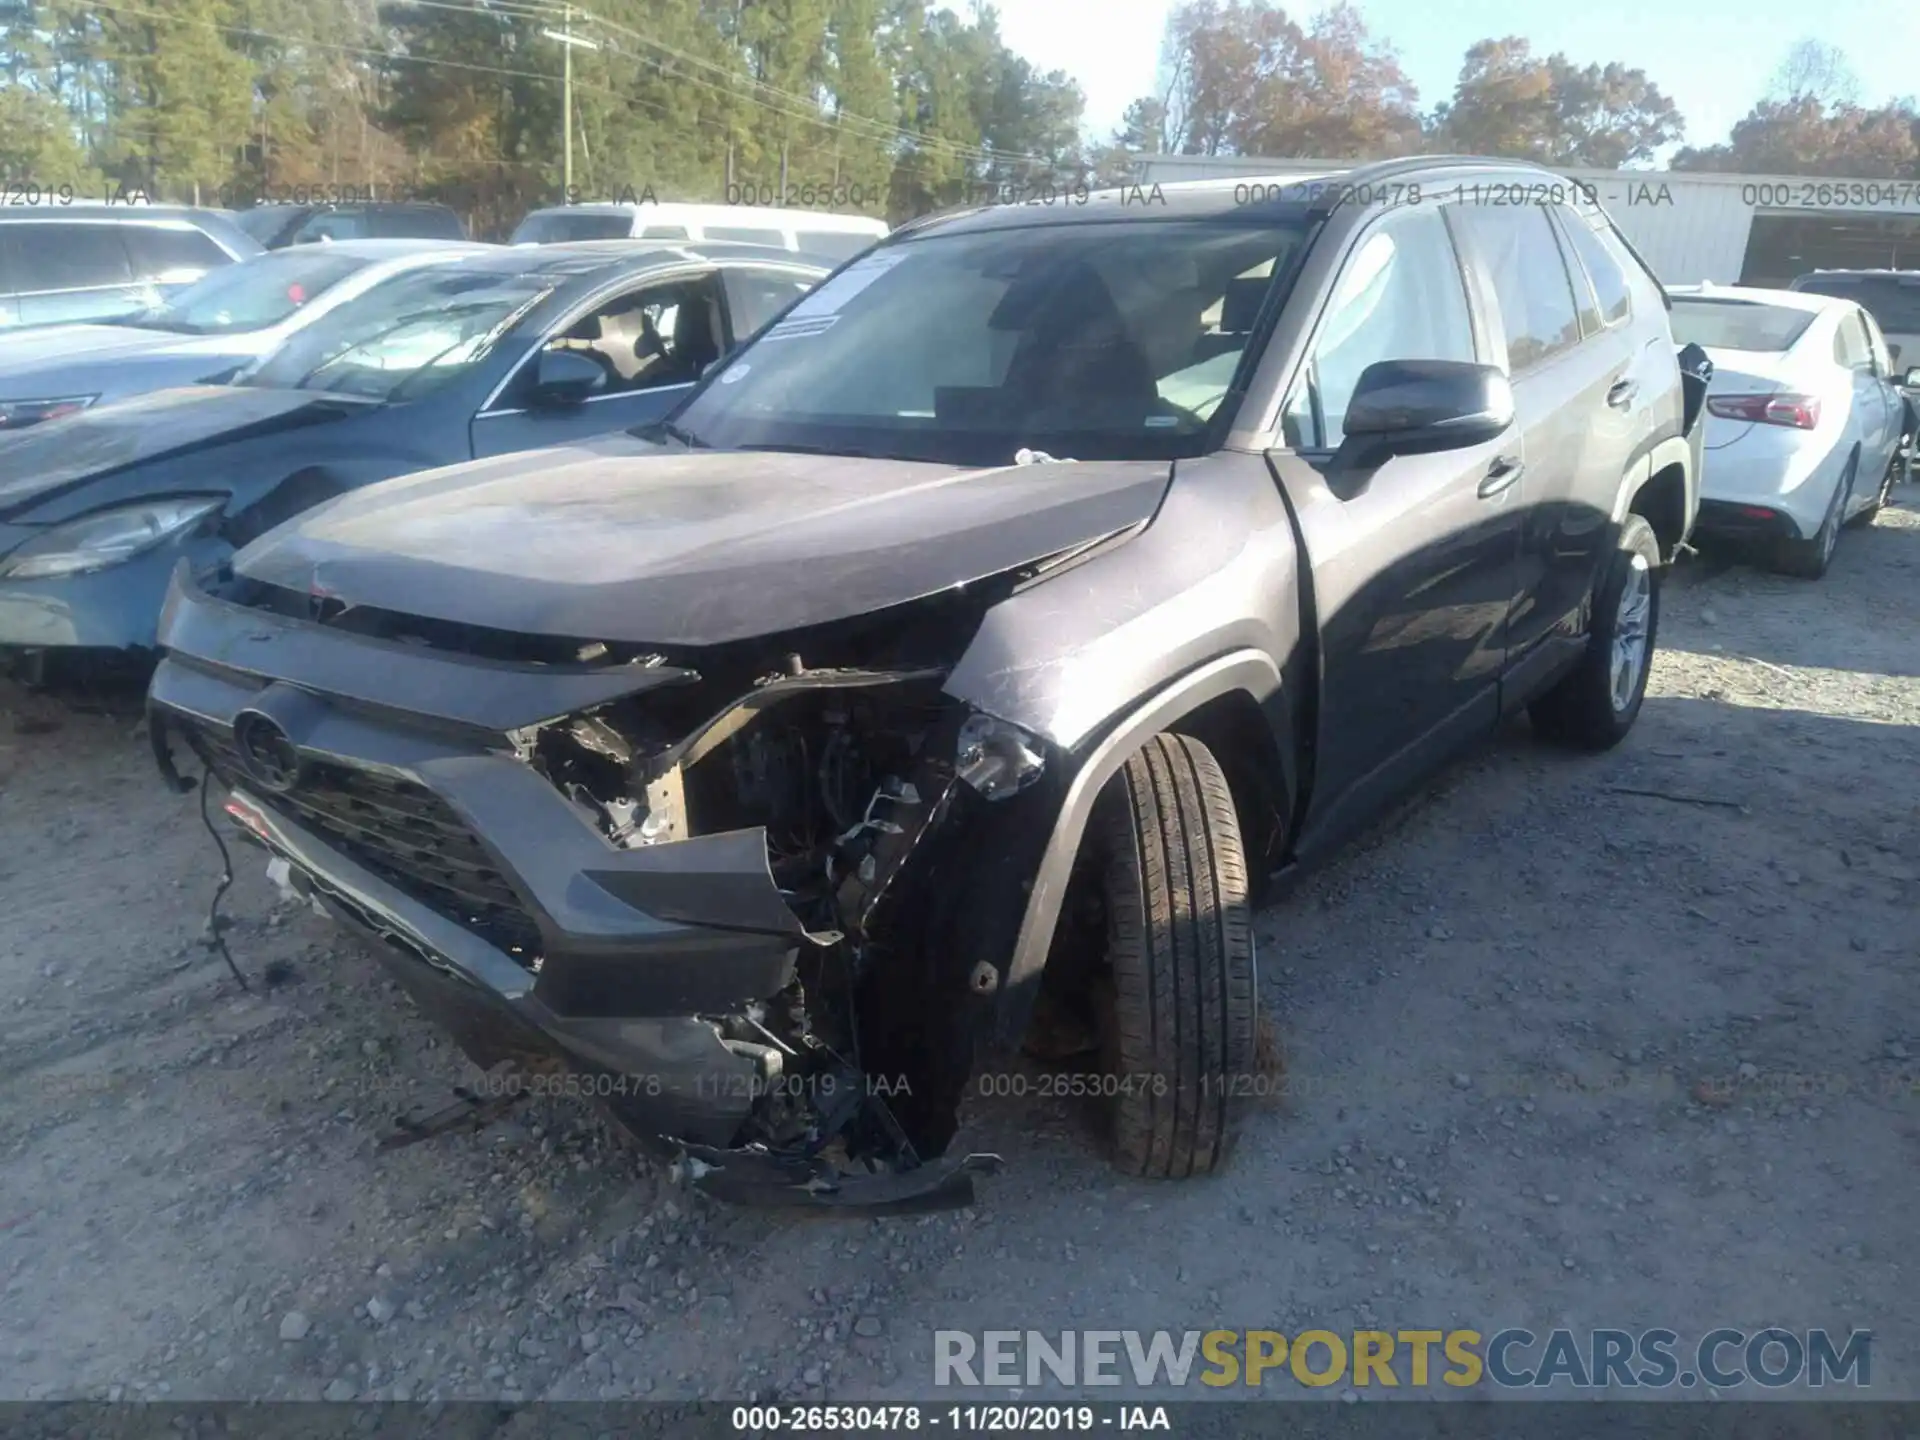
x,y
614,540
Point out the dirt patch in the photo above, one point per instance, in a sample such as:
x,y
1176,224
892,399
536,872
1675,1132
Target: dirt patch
x,y
1625,1041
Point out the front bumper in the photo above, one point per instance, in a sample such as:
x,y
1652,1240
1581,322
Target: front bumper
x,y
115,609
499,906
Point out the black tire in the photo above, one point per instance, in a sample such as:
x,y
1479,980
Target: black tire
x,y
1583,709
1899,471
1809,559
1181,994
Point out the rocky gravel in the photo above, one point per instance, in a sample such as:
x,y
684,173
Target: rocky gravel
x,y
1627,1040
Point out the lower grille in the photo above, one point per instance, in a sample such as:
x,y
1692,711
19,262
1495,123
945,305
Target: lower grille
x,y
399,830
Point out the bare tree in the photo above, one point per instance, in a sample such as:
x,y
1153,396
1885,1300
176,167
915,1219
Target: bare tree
x,y
1815,70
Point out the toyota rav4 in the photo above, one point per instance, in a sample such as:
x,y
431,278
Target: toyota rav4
x,y
952,664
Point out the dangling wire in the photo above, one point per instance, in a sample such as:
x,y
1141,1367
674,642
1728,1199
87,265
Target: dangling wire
x,y
226,880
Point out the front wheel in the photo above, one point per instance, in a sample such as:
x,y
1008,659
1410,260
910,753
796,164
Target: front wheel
x,y
1180,991
1597,702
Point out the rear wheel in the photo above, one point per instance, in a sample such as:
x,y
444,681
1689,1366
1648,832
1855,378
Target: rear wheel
x,y
1896,474
1178,996
1595,705
1809,559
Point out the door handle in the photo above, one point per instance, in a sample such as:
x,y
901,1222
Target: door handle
x,y
1501,475
1622,393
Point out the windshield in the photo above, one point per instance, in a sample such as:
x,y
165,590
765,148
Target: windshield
x,y
405,336
557,226
1088,341
257,293
1737,324
1892,300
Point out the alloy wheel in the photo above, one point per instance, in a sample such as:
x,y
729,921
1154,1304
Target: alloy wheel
x,y
1631,623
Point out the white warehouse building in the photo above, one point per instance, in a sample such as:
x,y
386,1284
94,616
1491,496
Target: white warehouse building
x,y
1693,226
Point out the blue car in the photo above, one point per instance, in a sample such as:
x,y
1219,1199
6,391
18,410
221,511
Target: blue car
x,y
479,355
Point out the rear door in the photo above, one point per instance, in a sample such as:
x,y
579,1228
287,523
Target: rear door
x,y
74,270
1871,423
1413,564
651,340
1892,408
1574,394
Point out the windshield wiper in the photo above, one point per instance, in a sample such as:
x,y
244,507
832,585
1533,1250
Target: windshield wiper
x,y
672,432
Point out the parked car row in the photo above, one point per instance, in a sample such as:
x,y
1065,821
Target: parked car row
x,y
406,355
91,262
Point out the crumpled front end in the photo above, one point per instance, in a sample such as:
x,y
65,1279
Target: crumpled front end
x,y
738,892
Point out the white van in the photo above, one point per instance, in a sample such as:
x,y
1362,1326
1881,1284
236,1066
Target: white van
x,y
830,236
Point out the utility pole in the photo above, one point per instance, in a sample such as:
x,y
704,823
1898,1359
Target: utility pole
x,y
568,40
566,102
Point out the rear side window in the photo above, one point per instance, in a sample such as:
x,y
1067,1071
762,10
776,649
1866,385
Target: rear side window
x,y
834,244
425,222
558,226
665,232
1609,279
1850,346
265,222
333,225
747,237
1530,280
157,251
756,296
56,256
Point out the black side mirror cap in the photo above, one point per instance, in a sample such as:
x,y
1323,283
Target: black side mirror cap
x,y
1411,407
565,377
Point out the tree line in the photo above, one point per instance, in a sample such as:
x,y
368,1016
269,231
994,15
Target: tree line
x,y
896,107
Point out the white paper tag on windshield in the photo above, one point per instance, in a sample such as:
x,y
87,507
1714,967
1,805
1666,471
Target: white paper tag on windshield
x,y
830,297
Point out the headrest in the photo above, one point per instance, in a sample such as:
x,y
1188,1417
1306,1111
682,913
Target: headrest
x,y
1241,304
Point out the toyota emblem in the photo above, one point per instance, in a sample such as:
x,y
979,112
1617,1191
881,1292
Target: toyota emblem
x,y
266,753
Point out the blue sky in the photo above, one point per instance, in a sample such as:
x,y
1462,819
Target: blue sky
x,y
1713,57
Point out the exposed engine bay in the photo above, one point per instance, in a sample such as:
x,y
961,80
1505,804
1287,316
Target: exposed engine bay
x,y
868,785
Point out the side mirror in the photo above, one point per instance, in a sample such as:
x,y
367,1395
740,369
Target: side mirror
x,y
564,377
1408,407
1912,378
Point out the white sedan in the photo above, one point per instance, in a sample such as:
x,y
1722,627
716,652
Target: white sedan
x,y
1805,423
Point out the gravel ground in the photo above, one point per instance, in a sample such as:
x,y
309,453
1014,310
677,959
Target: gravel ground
x,y
1560,1054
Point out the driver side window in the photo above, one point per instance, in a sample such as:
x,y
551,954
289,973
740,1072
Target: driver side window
x,y
1399,297
649,338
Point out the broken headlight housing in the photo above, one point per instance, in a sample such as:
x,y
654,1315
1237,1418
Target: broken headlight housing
x,y
106,538
18,414
997,757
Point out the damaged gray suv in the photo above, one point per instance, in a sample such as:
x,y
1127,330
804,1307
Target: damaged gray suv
x,y
950,668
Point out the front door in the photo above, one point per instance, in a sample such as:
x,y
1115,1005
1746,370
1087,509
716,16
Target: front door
x,y
652,343
1413,563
